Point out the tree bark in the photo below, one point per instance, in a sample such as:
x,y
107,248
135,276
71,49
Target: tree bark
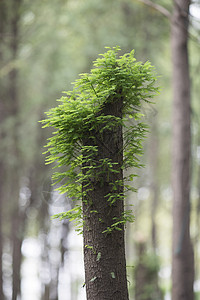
x,y
182,257
104,253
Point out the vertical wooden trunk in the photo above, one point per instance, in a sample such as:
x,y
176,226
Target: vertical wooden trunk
x,y
146,275
2,170
182,258
104,253
18,219
154,183
2,164
17,236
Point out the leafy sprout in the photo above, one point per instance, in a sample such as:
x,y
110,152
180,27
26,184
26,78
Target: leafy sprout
x,y
77,115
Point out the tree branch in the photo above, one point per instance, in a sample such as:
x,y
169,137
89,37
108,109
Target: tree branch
x,y
157,7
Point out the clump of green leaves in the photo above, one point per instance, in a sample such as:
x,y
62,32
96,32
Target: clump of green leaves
x,y
78,114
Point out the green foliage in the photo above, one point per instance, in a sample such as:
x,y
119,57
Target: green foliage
x,y
149,266
79,115
126,217
98,256
91,248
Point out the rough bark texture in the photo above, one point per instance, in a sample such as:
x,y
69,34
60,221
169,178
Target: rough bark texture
x,y
105,265
182,258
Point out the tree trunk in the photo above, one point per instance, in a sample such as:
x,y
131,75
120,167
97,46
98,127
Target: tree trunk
x,y
2,133
154,184
182,258
18,218
104,253
146,275
1,231
17,238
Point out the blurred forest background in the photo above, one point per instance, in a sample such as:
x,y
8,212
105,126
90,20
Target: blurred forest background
x,y
44,45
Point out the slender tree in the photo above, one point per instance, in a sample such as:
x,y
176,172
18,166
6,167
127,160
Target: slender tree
x,y
182,258
146,274
154,184
1,231
10,37
2,163
93,140
17,219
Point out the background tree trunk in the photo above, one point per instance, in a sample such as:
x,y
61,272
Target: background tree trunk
x,y
182,258
104,253
1,230
17,239
146,274
3,114
18,217
154,183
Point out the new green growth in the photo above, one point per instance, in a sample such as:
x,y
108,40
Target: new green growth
x,y
78,116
